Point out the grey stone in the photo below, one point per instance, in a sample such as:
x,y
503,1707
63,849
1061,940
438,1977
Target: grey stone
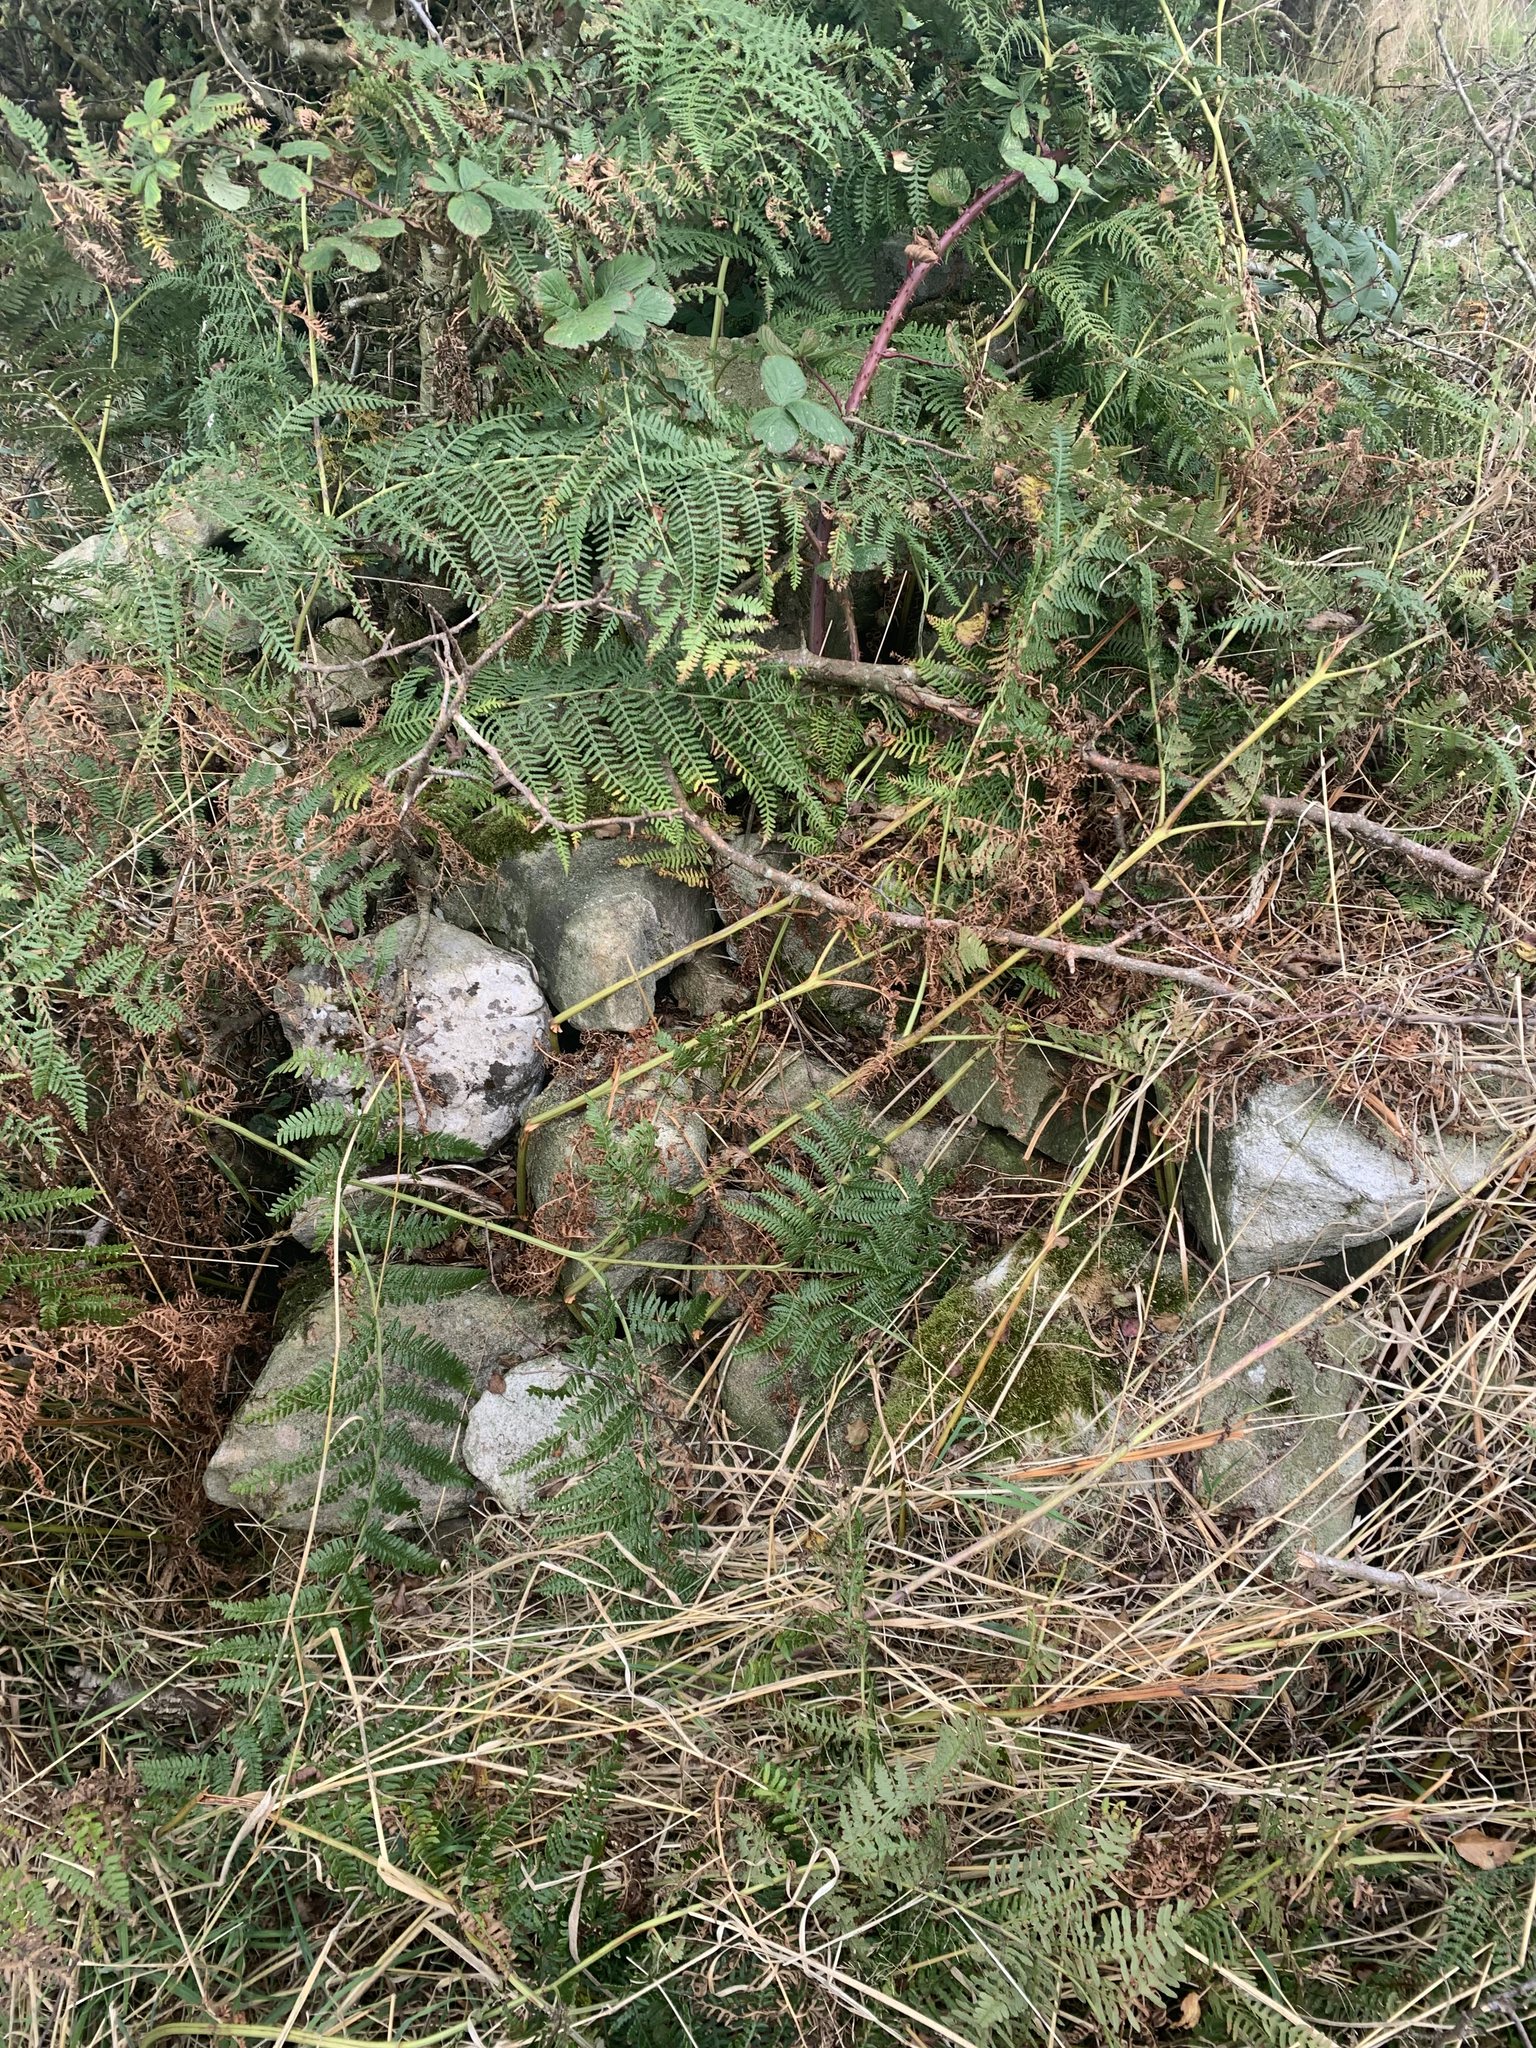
x,y
1301,1460
468,1018
344,679
658,1118
790,1082
769,1405
812,942
509,1420
604,920
488,1332
175,532
705,986
1011,1084
1290,1181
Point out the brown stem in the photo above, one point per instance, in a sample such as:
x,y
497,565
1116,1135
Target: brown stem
x,y
885,334
910,921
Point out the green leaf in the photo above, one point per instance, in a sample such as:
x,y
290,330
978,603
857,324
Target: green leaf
x,y
654,305
358,255
286,180
469,213
1073,179
774,428
222,189
1038,174
383,230
819,422
783,379
305,152
627,327
949,187
586,324
555,292
517,198
471,175
624,273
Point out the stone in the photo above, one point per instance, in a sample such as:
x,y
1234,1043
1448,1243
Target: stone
x,y
509,1421
706,986
812,942
498,1340
177,531
1301,1460
1291,1181
655,1128
607,919
343,679
1038,1329
469,1018
770,1406
1011,1084
790,1082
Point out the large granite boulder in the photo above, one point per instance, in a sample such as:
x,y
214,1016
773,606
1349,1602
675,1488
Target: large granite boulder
x,y
468,1018
1294,1472
601,919
484,1415
1290,1180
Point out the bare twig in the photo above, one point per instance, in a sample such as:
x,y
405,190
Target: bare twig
x,y
1498,147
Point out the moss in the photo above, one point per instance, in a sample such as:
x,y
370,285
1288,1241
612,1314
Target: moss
x,y
496,834
1049,1360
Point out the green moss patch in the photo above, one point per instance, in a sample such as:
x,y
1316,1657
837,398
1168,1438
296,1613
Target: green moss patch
x,y
1041,1321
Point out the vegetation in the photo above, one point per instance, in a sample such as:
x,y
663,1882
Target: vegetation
x,y
1059,479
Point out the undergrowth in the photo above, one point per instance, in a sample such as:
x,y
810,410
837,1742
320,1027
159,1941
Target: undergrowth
x,y
1059,481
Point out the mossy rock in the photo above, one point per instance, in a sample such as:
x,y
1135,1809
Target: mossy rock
x,y
766,1400
1049,1317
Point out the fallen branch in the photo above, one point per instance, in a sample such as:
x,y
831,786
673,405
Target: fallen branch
x,y
905,683
1323,817
1498,147
1067,950
1389,1581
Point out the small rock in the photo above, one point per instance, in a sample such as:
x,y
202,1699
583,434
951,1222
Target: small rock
x,y
789,1082
1013,1085
812,942
657,1129
1040,1326
469,1017
767,1404
345,679
1290,1181
705,986
1302,1458
511,1418
177,531
487,1332
604,919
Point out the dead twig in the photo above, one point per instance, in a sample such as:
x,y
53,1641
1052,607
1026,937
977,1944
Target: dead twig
x,y
1070,951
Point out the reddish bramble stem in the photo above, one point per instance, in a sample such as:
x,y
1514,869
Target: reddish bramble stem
x,y
885,334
